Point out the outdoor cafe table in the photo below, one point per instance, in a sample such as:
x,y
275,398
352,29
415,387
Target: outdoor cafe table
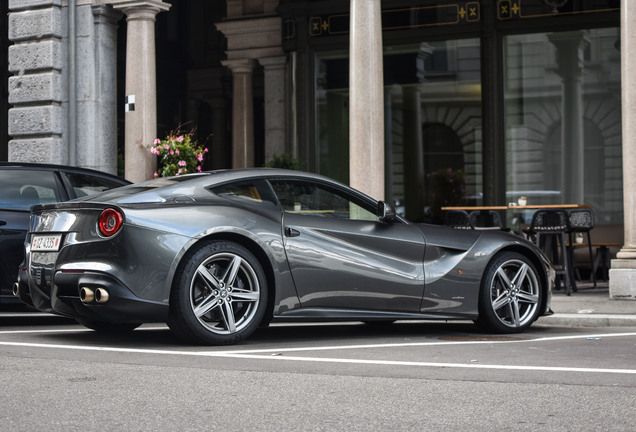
x,y
518,207
485,209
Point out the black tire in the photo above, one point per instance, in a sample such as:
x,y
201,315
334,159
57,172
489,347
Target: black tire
x,y
219,294
107,327
510,295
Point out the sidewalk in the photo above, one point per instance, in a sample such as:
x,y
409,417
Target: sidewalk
x,y
590,308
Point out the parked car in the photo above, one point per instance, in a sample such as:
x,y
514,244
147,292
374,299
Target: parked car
x,y
26,184
217,254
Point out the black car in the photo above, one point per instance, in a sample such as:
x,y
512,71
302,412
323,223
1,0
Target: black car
x,y
26,184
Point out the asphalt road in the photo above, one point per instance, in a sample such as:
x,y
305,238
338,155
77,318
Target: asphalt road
x,y
59,376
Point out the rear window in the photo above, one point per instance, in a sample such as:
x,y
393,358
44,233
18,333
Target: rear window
x,y
86,184
23,188
249,191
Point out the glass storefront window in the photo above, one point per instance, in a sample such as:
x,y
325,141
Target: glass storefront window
x,y
432,100
563,120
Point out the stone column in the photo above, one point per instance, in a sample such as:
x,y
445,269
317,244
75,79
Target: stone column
x,y
141,119
96,88
622,283
242,112
274,71
250,38
366,106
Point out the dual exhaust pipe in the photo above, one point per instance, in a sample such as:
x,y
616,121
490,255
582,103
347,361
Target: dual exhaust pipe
x,y
89,295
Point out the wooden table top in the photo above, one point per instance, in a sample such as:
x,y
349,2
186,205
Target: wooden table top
x,y
518,207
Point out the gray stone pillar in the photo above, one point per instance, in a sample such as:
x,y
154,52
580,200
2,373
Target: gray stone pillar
x,y
36,92
96,88
243,50
274,71
622,283
242,112
366,106
141,123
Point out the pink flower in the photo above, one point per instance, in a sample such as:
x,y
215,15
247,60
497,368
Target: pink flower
x,y
200,157
176,151
167,147
157,141
179,172
180,138
155,175
205,150
182,163
199,168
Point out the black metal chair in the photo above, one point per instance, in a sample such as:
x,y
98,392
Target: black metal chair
x,y
459,219
582,221
486,219
548,229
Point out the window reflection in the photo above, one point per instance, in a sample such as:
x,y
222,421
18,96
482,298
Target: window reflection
x,y
432,98
563,120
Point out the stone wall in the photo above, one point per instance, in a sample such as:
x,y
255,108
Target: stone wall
x,y
37,88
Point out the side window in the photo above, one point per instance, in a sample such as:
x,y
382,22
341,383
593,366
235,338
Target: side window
x,y
23,188
305,198
252,191
86,184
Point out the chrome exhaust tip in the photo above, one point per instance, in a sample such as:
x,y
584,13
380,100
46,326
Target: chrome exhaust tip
x,y
101,295
87,295
16,289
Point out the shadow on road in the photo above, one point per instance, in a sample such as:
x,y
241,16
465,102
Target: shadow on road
x,y
281,335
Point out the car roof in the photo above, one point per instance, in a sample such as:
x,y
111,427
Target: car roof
x,y
156,190
224,175
66,168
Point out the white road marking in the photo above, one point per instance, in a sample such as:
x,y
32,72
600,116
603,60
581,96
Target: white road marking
x,y
71,330
275,354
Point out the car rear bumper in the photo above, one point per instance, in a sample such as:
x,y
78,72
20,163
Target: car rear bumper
x,y
116,304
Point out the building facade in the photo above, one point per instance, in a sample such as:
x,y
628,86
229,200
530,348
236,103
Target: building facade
x,y
484,101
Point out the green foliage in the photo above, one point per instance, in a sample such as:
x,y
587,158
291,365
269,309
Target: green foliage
x,y
284,161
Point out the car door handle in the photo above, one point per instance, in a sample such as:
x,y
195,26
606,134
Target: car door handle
x,y
291,232
2,222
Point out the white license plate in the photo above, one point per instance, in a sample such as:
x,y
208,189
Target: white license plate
x,y
46,243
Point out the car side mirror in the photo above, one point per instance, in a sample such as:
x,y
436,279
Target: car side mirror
x,y
386,212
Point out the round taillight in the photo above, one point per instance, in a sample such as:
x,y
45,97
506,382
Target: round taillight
x,y
110,221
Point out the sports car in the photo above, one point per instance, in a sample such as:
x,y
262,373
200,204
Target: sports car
x,y
215,255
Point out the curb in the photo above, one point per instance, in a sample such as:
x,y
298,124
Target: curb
x,y
588,320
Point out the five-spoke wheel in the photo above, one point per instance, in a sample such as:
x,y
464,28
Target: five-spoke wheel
x,y
510,295
219,295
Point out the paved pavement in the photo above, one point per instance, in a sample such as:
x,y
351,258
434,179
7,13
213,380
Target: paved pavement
x,y
590,308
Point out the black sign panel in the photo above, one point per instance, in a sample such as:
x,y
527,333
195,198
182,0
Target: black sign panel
x,y
405,18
